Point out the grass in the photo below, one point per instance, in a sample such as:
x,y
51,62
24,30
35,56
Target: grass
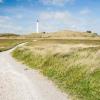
x,y
71,41
74,68
8,35
69,33
6,44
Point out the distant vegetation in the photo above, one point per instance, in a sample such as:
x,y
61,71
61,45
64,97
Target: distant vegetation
x,y
9,40
6,44
89,31
8,35
74,65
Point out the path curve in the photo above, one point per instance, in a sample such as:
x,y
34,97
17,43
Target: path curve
x,y
17,83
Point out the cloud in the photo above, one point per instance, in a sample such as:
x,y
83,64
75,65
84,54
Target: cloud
x,y
57,20
19,16
63,20
1,1
56,2
85,11
18,21
4,19
59,16
7,25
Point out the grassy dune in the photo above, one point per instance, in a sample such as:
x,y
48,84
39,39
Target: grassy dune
x,y
6,44
69,33
74,66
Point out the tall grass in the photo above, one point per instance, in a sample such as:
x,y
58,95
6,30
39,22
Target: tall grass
x,y
6,44
76,72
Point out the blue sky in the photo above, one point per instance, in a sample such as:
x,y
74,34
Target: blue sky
x,y
19,16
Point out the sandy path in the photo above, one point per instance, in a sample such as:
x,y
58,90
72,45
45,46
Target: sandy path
x,y
16,83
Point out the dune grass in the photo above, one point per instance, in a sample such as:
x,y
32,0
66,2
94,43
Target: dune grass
x,y
89,41
76,71
6,44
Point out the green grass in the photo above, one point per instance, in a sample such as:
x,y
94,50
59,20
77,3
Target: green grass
x,y
67,41
9,35
6,44
76,72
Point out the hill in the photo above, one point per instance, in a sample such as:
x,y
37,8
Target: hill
x,y
8,35
64,34
67,33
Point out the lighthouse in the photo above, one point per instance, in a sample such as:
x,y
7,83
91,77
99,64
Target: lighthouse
x,y
37,26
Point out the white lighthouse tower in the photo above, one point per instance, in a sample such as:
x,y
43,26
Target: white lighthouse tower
x,y
37,26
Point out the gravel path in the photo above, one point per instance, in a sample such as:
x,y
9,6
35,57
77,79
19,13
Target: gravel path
x,y
19,83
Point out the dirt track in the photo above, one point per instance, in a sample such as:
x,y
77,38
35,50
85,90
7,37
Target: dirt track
x,y
19,83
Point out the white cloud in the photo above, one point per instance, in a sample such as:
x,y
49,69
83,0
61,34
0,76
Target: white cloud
x,y
21,22
59,20
1,1
4,19
85,11
58,16
19,16
56,2
63,20
7,25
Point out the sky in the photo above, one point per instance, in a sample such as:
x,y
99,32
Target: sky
x,y
20,16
